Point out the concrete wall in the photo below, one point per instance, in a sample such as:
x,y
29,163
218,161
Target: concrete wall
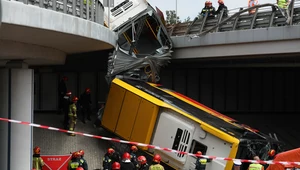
x,y
239,90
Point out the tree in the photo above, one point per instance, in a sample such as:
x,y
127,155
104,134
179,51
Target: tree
x,y
188,19
171,17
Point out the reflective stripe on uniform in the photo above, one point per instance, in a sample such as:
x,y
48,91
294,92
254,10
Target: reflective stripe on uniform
x,y
74,165
203,161
156,167
255,167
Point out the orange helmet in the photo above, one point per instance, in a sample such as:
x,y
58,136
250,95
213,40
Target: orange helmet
x,y
37,150
156,158
79,168
65,78
81,152
142,160
220,1
75,99
69,93
87,90
199,153
271,153
76,155
110,150
116,165
208,3
126,156
134,148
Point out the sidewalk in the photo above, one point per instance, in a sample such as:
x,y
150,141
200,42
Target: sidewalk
x,y
58,143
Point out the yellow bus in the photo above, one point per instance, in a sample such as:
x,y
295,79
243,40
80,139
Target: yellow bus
x,y
148,113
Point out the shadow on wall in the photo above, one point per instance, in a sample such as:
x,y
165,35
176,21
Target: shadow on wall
x,y
85,70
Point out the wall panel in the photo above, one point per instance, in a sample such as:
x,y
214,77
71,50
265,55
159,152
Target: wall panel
x,y
278,81
218,90
192,84
36,89
243,90
49,91
206,87
180,81
289,97
231,91
255,90
267,90
102,87
166,78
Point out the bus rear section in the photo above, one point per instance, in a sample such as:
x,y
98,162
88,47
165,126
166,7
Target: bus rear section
x,y
123,11
137,111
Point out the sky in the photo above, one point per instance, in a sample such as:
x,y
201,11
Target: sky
x,y
191,8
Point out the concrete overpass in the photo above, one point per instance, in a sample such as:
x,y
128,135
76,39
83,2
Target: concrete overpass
x,y
39,32
264,33
43,44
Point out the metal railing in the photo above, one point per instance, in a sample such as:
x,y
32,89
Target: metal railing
x,y
92,10
266,15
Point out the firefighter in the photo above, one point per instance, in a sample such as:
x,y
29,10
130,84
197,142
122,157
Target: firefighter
x,y
66,104
209,9
156,163
73,115
116,156
85,103
126,164
38,162
142,163
62,90
222,7
82,160
75,163
133,158
256,166
116,166
201,162
107,160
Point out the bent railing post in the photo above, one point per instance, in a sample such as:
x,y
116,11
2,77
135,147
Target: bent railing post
x,y
65,6
272,16
190,26
236,21
253,19
54,5
81,8
203,22
92,11
292,12
233,16
74,2
219,19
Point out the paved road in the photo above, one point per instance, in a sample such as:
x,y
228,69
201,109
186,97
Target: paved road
x,y
57,143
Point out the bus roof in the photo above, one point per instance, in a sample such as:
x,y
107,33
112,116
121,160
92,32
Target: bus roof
x,y
213,120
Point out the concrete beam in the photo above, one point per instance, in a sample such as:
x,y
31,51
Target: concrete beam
x,y
44,36
274,40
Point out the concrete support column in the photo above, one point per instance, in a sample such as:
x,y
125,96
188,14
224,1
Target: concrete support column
x,y
16,102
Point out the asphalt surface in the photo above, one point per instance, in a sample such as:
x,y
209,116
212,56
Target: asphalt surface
x,y
58,143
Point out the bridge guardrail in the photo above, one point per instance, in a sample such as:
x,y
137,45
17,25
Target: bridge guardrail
x,y
265,16
92,10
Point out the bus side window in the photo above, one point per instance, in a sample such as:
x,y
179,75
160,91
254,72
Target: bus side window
x,y
197,146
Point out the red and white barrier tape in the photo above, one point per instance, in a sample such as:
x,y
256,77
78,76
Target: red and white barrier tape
x,y
146,145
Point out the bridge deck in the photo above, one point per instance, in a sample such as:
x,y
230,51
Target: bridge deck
x,y
263,18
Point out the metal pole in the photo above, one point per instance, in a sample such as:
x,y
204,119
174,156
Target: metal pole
x,y
108,19
176,12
